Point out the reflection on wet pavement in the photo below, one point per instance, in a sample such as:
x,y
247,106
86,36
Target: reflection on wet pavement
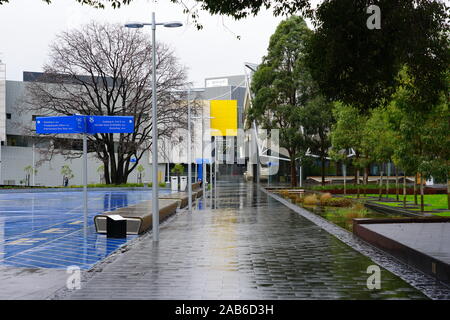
x,y
243,245
46,230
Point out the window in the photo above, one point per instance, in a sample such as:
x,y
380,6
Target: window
x,y
8,116
18,141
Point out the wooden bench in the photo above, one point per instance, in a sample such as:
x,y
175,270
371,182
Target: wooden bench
x,y
182,198
198,189
139,216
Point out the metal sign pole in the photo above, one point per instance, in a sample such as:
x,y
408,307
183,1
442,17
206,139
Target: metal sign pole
x,y
85,166
189,160
155,186
1,164
203,161
301,175
210,175
215,169
34,165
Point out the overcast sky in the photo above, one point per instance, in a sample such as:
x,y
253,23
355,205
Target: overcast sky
x,y
27,27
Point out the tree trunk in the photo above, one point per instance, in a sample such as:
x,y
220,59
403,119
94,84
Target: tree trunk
x,y
380,185
396,183
366,178
422,207
106,172
119,174
323,171
448,192
357,183
345,178
387,179
293,173
404,190
415,189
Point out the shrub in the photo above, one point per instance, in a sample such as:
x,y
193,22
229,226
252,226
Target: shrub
x,y
292,196
284,193
356,211
358,206
300,199
324,198
178,169
339,202
311,200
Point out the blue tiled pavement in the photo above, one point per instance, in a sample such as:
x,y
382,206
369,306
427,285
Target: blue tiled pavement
x,y
46,230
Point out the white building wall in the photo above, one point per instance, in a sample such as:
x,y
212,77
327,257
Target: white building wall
x,y
15,159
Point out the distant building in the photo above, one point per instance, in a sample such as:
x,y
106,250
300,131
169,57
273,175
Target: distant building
x,y
19,149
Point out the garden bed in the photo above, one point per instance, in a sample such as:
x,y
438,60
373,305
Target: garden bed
x,y
338,210
372,190
435,204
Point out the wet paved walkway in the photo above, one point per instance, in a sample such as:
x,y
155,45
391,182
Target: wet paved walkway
x,y
249,247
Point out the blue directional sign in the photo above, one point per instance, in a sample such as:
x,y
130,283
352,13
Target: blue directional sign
x,y
199,161
110,124
61,125
84,124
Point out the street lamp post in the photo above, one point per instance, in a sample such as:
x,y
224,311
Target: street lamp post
x,y
190,146
155,186
204,173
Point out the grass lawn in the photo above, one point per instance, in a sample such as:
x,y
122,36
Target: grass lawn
x,y
350,186
432,201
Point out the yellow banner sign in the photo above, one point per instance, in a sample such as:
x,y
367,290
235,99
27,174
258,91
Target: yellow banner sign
x,y
225,118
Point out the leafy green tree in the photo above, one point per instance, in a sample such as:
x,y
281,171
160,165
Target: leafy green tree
x,y
353,63
28,172
282,86
94,3
178,169
340,156
141,172
422,138
317,119
347,133
66,173
359,66
377,141
244,9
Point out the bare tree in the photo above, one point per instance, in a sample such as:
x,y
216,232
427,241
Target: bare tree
x,y
105,69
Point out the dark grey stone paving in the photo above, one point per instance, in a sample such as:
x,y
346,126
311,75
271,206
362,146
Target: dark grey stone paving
x,y
249,247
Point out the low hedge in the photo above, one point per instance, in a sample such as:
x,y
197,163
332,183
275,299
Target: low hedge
x,y
124,185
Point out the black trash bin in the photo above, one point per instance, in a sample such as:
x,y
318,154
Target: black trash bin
x,y
116,227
